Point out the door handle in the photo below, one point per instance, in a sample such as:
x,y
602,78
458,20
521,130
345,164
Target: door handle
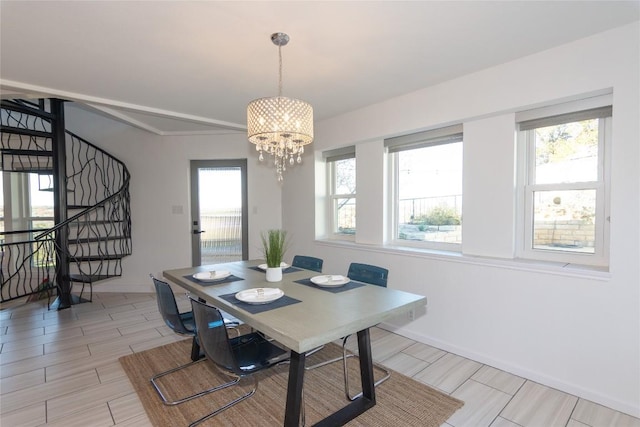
x,y
198,231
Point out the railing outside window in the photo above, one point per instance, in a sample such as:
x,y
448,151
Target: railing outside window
x,y
222,240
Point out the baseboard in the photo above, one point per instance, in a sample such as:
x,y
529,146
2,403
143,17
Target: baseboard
x,y
630,408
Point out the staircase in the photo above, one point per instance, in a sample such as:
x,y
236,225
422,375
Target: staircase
x,y
92,216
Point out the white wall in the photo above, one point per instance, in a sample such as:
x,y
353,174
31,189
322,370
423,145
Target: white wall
x,y
159,167
576,332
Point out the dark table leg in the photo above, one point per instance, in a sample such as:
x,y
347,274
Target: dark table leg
x,y
366,366
294,390
368,398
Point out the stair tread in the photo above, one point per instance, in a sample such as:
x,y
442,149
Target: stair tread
x,y
75,207
84,278
23,152
51,189
30,132
28,170
79,241
101,221
27,107
97,257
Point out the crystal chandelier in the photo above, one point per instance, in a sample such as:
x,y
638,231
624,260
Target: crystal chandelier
x,y
280,126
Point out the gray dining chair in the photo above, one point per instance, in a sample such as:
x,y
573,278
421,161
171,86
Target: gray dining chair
x,y
373,275
180,323
238,357
183,324
308,263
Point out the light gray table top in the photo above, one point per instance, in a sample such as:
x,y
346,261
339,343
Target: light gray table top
x,y
319,318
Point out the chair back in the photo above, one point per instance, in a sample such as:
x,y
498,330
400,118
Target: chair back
x,y
368,274
169,308
308,263
241,355
213,337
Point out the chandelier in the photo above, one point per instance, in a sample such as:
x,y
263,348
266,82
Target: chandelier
x,y
280,126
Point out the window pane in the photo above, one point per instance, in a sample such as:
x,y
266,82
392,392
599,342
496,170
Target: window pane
x,y
345,210
220,214
345,176
41,200
1,206
430,194
564,220
567,153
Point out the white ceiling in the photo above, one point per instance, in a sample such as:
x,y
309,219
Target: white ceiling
x,y
192,67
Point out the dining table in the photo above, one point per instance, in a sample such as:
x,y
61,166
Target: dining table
x,y
306,317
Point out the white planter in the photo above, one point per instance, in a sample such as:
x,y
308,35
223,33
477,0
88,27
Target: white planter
x,y
274,274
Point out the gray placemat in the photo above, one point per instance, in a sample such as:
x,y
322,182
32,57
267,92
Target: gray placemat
x,y
259,308
227,279
285,271
335,290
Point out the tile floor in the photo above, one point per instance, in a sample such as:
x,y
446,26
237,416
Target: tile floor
x,y
62,369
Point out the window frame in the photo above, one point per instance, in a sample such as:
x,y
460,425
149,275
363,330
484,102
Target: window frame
x,y
393,146
331,157
526,189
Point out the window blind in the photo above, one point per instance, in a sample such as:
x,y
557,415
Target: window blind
x,y
340,154
424,139
576,116
597,106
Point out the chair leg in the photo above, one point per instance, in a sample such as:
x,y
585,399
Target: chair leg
x,y
330,361
193,396
310,352
386,376
228,405
344,358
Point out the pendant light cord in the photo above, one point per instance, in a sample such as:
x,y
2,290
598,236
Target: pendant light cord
x,y
280,71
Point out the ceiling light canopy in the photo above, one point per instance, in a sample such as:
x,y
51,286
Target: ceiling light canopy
x,y
280,126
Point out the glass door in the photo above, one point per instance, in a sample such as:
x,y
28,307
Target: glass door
x,y
219,219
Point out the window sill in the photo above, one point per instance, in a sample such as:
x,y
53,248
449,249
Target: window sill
x,y
553,268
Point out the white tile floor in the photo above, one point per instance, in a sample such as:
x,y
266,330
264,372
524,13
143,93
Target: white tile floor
x,y
62,369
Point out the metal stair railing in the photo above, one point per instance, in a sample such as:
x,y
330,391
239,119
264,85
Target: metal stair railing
x,y
27,264
97,231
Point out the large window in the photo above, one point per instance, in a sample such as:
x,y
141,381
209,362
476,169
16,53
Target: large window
x,y
341,171
564,186
427,188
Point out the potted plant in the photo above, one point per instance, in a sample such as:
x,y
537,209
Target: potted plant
x,y
274,245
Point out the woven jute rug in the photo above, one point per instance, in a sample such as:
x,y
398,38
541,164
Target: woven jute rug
x,y
400,401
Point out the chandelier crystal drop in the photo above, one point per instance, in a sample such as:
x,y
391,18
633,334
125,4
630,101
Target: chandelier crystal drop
x,y
280,126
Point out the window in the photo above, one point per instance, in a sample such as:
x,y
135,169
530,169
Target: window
x,y
564,186
41,201
427,188
1,207
341,171
30,205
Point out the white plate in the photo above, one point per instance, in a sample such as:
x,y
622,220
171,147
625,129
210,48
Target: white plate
x,y
282,264
211,276
259,295
330,280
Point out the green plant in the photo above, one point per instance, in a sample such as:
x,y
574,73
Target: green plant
x,y
274,246
439,215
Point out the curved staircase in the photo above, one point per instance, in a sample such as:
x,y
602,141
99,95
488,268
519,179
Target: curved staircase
x,y
92,216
